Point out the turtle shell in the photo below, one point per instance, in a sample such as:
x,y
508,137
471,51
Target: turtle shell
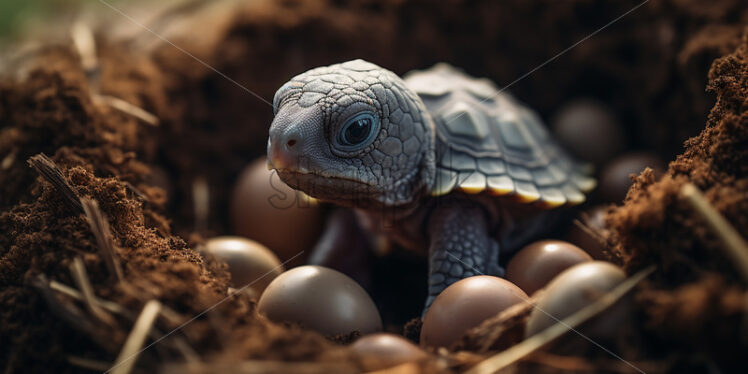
x,y
489,142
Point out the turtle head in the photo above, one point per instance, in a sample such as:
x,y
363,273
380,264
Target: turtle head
x,y
352,134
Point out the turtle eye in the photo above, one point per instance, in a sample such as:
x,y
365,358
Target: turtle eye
x,y
358,130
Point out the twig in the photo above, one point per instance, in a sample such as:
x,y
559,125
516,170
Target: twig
x,y
49,171
531,344
78,270
128,355
733,244
100,228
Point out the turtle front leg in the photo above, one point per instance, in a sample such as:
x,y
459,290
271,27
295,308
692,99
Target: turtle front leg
x,y
460,246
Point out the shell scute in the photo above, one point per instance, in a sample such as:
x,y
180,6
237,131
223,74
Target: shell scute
x,y
489,142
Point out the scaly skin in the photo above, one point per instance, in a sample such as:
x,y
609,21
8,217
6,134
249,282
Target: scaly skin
x,y
316,145
460,246
395,169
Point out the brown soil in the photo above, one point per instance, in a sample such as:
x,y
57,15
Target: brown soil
x,y
694,301
650,67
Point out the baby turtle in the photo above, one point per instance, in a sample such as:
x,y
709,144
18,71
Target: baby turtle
x,y
438,161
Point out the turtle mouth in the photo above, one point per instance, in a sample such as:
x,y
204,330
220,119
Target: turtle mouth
x,y
328,186
310,175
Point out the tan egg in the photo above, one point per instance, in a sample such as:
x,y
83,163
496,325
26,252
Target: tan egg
x,y
250,263
267,210
571,291
539,262
464,305
320,299
383,350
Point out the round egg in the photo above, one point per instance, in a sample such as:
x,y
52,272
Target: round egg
x,y
267,210
572,290
383,350
589,130
615,178
250,263
464,305
537,263
320,299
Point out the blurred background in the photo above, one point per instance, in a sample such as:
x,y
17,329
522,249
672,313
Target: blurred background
x,y
622,84
17,16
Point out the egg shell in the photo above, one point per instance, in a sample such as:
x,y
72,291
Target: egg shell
x,y
572,290
539,262
250,263
265,209
464,305
382,350
320,299
615,178
589,130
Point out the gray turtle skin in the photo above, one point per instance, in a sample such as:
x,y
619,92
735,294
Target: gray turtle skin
x,y
438,162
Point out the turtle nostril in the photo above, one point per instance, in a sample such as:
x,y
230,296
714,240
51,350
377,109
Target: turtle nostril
x,y
291,143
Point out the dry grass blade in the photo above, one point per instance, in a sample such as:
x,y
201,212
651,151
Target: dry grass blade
x,y
735,247
8,160
100,227
180,343
78,271
531,344
171,315
71,314
49,171
584,226
88,363
75,294
187,352
127,108
85,43
201,203
68,313
134,343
